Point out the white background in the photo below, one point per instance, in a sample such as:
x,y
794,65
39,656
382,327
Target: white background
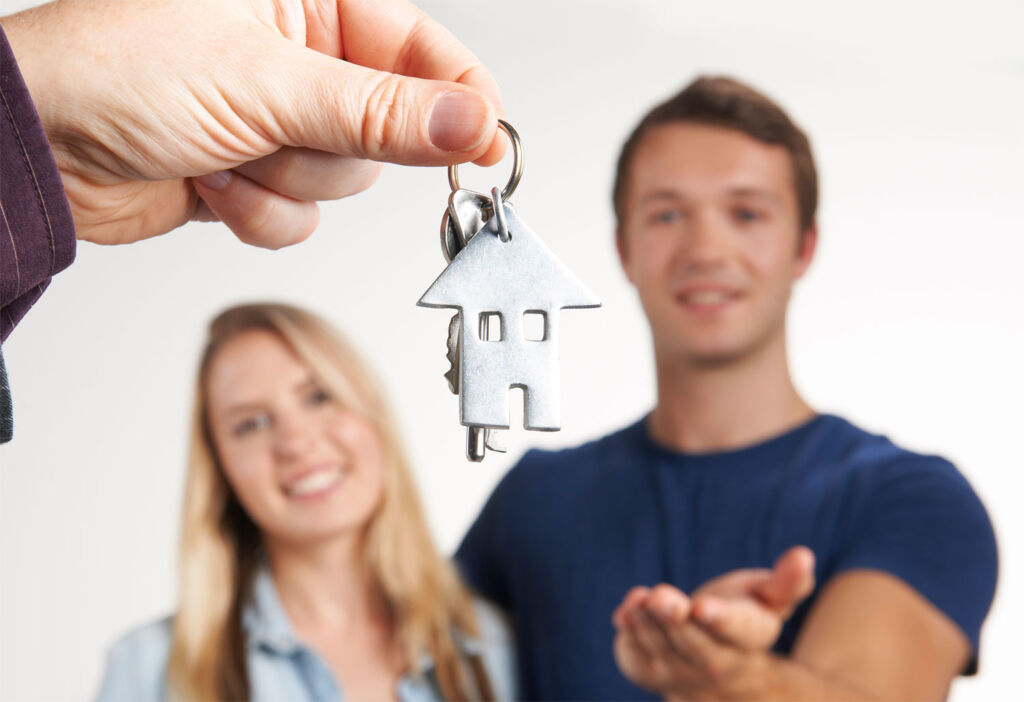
x,y
909,321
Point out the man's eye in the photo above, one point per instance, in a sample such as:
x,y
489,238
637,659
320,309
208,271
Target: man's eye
x,y
252,424
666,216
746,214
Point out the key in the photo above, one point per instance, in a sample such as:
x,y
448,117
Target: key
x,y
466,214
499,272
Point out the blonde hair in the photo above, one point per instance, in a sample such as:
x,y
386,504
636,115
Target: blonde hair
x,y
220,544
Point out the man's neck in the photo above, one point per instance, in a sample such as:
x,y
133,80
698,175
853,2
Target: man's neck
x,y
720,407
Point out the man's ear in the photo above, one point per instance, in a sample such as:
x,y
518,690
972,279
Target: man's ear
x,y
622,246
806,249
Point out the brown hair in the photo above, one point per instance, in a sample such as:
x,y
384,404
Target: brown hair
x,y
220,544
725,102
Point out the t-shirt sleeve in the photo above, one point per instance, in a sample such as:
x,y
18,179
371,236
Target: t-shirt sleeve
x,y
920,521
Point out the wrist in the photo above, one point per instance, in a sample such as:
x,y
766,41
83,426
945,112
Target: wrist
x,y
50,80
748,679
752,678
22,31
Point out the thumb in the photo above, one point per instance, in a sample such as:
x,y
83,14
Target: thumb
x,y
343,108
791,580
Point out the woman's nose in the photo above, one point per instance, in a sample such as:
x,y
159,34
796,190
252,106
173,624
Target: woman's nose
x,y
293,435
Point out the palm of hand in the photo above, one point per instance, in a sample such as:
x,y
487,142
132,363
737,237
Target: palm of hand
x,y
675,644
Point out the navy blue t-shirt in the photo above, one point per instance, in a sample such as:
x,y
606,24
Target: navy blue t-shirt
x,y
567,533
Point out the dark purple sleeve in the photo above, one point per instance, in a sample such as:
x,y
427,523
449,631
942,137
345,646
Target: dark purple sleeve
x,y
37,235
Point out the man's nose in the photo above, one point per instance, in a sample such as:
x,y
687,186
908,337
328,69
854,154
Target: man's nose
x,y
706,242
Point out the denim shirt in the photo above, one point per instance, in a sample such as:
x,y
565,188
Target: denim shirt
x,y
281,667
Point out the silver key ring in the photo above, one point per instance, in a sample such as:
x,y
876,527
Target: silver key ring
x,y
517,164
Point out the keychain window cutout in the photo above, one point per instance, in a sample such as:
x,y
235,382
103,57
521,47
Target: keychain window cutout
x,y
491,327
535,325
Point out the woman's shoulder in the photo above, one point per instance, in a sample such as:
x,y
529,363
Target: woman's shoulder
x,y
136,664
495,644
495,626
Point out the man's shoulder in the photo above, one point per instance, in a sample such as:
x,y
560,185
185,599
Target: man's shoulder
x,y
876,466
862,449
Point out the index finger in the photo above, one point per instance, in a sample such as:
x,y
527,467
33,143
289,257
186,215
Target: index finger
x,y
396,36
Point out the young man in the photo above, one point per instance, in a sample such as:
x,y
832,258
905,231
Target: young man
x,y
732,471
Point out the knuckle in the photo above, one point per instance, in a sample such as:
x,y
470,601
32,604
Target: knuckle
x,y
661,590
385,119
268,224
638,591
257,221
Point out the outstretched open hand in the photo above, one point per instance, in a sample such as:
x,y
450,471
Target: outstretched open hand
x,y
695,647
247,111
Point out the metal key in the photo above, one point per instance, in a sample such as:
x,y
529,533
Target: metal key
x,y
498,272
466,214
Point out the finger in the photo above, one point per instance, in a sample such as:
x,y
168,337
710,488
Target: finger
x,y
256,215
481,79
633,600
744,623
631,657
322,103
308,174
668,604
202,212
406,40
699,648
791,581
652,638
409,42
735,583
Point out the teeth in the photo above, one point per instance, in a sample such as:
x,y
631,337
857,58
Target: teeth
x,y
314,482
707,297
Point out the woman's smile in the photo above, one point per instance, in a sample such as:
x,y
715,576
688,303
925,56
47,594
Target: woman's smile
x,y
315,482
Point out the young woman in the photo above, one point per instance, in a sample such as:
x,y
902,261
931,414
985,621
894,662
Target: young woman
x,y
307,569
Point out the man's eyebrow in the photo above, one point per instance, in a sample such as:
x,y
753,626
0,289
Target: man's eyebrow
x,y
661,195
756,193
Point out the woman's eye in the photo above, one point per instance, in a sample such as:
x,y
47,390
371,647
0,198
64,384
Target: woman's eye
x,y
252,424
318,397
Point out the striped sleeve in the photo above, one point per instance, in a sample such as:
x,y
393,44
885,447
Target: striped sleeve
x,y
37,236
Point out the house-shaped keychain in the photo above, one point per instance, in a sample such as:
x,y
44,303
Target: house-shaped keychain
x,y
508,293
